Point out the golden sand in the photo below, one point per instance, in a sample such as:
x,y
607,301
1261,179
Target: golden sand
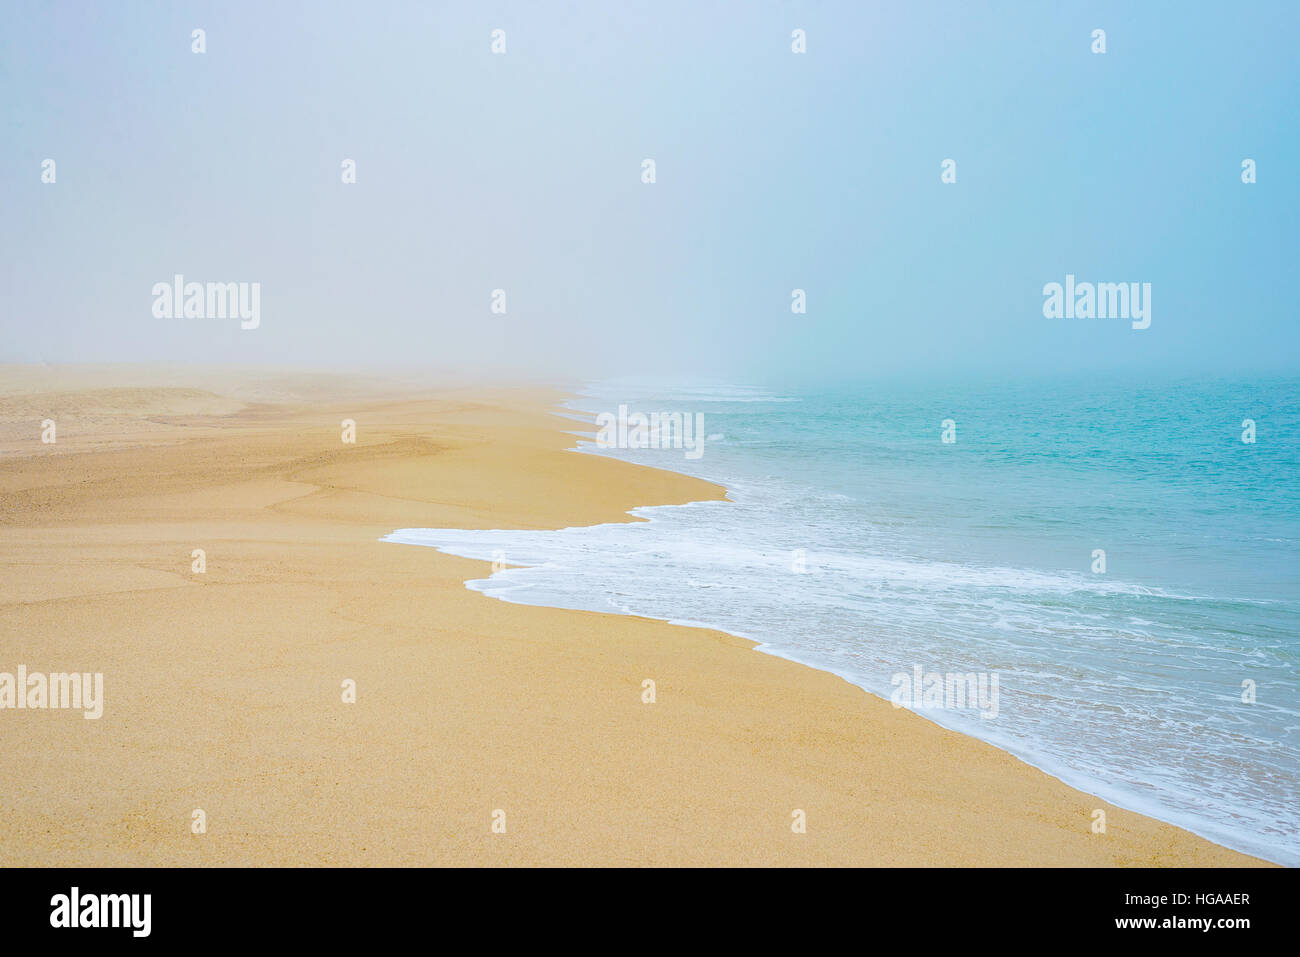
x,y
223,689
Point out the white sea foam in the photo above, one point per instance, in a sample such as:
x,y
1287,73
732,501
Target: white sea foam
x,y
682,567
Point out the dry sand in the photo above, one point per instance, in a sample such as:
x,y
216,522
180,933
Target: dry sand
x,y
223,689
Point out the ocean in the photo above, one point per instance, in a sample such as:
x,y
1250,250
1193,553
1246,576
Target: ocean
x,y
1108,556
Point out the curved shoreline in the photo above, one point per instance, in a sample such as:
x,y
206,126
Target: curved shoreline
x,y
1102,790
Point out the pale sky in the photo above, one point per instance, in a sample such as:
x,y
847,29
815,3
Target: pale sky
x,y
775,171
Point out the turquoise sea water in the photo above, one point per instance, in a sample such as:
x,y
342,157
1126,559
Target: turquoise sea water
x,y
855,540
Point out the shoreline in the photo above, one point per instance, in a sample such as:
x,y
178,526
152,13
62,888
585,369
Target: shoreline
x,y
1068,778
222,691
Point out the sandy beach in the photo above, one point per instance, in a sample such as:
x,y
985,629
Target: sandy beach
x,y
222,690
